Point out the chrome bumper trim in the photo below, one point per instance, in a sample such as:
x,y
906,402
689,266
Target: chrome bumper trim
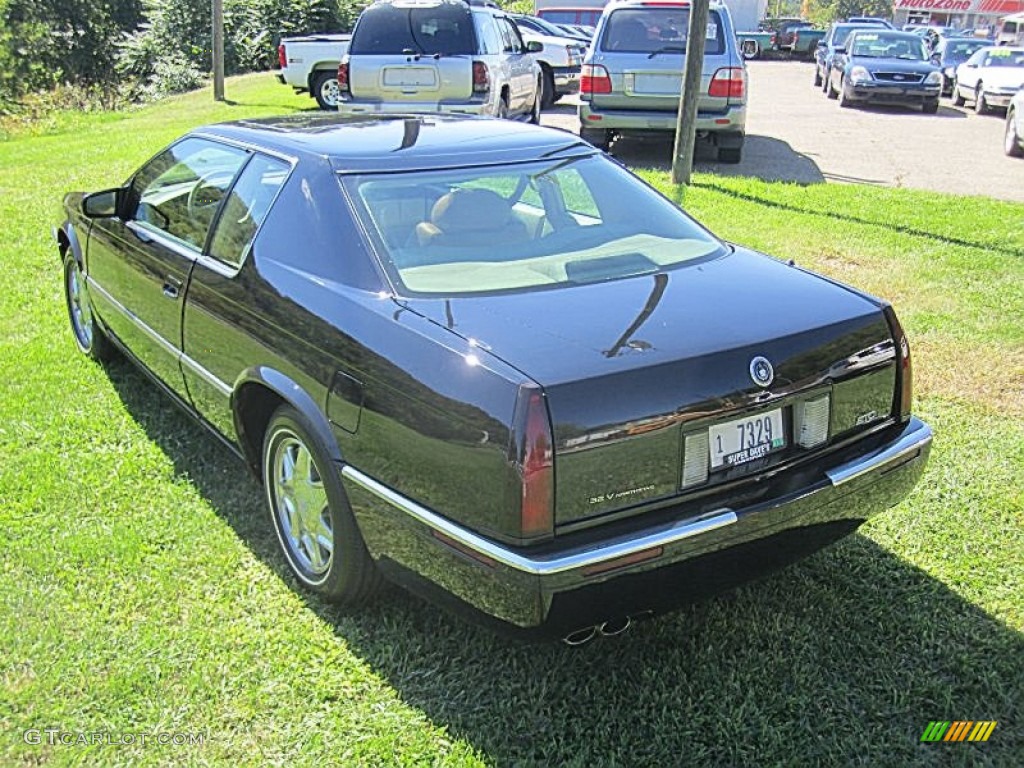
x,y
543,566
914,439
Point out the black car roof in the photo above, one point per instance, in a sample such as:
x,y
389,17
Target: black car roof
x,y
401,142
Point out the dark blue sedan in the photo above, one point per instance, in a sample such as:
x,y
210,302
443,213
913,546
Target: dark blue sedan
x,y
485,361
885,67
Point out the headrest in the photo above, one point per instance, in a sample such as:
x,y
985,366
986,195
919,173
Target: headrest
x,y
470,210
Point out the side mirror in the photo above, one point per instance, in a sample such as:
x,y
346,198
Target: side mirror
x,y
101,205
533,46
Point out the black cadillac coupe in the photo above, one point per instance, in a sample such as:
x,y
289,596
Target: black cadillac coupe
x,y
485,361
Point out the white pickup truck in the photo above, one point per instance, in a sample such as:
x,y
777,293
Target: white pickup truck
x,y
310,63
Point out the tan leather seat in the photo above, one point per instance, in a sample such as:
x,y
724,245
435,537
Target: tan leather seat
x,y
470,217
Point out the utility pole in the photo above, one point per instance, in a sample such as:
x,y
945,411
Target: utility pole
x,y
686,122
218,50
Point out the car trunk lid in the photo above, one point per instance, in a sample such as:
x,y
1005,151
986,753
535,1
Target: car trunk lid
x,y
631,368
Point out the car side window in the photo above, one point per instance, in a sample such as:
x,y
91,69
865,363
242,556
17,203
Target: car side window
x,y
178,192
514,38
487,33
246,206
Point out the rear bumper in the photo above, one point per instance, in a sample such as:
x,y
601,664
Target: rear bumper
x,y
350,107
567,79
731,120
687,559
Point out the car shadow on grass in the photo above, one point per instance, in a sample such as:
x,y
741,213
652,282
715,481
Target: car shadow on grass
x,y
845,657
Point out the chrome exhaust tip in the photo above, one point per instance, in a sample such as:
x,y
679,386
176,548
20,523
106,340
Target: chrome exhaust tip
x,y
580,637
615,627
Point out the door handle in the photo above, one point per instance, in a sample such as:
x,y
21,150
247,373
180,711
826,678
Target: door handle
x,y
172,286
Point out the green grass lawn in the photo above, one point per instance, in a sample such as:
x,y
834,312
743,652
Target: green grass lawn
x,y
141,591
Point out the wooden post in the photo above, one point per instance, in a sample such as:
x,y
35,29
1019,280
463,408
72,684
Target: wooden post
x,y
686,122
218,50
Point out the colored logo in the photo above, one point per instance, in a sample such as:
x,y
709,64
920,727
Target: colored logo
x,y
761,371
959,730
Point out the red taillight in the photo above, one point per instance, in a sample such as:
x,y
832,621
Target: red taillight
x,y
481,78
343,77
728,83
594,79
282,57
536,465
905,380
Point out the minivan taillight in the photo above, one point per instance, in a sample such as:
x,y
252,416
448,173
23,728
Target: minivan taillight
x,y
535,463
282,57
728,83
481,78
905,372
594,79
343,77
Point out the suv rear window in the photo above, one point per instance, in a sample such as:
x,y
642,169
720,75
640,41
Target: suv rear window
x,y
657,30
394,28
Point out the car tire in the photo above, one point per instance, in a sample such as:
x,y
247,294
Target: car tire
x,y
750,50
597,137
326,91
90,340
502,113
1011,140
730,155
538,101
930,107
958,100
548,95
817,77
830,90
980,105
844,100
311,515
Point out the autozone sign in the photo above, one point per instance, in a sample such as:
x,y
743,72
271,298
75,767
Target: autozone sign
x,y
996,7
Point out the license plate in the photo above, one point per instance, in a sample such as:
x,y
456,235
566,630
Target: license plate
x,y
410,76
659,85
742,440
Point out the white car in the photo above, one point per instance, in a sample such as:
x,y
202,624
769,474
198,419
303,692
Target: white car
x,y
560,58
310,64
990,78
1013,145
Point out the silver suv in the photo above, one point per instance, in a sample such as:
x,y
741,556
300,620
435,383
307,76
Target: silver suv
x,y
439,56
631,77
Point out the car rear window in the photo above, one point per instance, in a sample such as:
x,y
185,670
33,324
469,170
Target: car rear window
x,y
444,28
657,30
522,227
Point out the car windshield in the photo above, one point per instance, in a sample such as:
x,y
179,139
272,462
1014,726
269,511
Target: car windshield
x,y
1004,57
879,45
522,227
543,26
959,50
655,30
393,28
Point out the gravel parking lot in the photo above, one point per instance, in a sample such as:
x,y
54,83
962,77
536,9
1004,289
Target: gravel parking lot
x,y
795,133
